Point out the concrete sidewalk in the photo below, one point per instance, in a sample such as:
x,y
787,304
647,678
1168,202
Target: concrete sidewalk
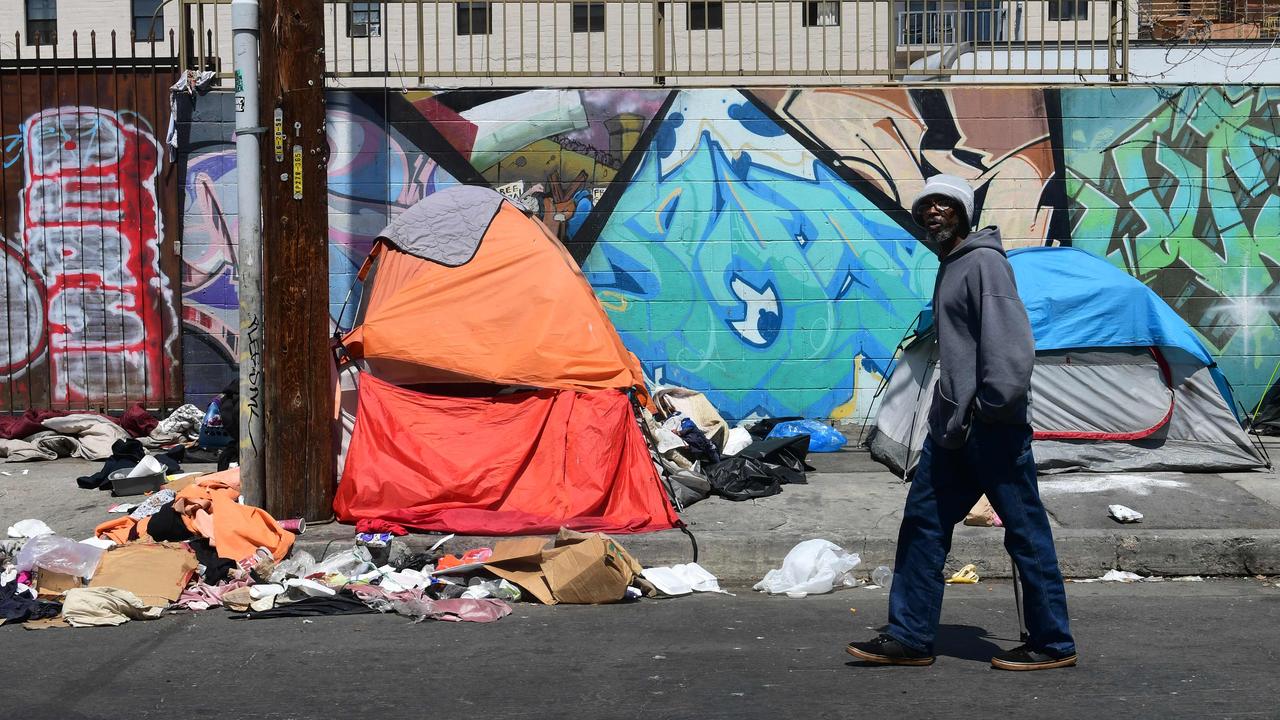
x,y
1194,525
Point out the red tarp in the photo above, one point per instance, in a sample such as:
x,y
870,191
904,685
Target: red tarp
x,y
528,462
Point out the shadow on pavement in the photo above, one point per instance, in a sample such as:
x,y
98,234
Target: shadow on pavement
x,y
964,642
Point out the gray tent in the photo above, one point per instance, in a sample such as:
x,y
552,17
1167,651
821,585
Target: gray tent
x,y
1120,383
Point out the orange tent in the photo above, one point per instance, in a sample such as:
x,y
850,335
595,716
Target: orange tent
x,y
490,385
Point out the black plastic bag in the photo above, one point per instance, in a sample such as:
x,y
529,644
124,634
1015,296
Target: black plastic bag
x,y
786,454
743,478
761,429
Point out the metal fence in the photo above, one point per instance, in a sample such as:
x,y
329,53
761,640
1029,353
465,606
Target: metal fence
x,y
88,255
439,42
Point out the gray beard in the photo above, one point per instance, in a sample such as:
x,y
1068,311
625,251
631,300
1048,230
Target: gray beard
x,y
937,240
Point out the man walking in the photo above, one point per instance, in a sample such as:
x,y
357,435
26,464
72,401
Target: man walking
x,y
979,442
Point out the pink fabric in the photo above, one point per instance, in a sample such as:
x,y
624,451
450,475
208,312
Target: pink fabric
x,y
416,604
211,595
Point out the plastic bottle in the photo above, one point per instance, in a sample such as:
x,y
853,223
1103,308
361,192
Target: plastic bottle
x,y
882,576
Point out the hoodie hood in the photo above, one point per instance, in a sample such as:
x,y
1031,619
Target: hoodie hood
x,y
987,237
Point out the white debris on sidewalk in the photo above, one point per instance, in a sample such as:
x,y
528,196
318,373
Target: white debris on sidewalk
x,y
1123,514
28,529
1123,576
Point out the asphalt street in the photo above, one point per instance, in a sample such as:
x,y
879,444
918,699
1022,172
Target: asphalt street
x,y
1153,650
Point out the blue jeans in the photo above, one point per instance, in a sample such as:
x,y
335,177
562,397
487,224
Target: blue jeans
x,y
995,460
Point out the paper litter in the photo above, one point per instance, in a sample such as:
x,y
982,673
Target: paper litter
x,y
682,579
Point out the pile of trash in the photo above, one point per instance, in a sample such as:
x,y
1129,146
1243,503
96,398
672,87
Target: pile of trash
x,y
193,546
700,455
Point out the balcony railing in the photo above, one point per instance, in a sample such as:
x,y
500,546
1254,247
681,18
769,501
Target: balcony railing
x,y
432,43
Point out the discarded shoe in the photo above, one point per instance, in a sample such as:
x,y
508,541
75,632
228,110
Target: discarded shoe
x,y
884,650
1025,657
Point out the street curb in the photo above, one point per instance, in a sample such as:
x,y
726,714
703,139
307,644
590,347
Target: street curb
x,y
742,558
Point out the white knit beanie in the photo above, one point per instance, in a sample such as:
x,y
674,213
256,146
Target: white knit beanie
x,y
949,186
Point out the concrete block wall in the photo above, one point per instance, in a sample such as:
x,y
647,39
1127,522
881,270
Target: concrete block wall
x,y
756,245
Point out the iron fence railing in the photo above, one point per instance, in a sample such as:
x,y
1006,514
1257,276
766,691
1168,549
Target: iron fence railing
x,y
87,216
460,42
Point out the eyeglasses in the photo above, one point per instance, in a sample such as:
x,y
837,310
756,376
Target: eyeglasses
x,y
945,204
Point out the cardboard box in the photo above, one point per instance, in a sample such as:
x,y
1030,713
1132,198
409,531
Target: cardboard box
x,y
580,568
50,585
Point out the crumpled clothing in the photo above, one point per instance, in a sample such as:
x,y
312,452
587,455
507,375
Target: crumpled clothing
x,y
189,82
380,526
152,504
125,455
201,596
96,606
96,433
211,508
183,421
20,605
418,605
451,610
27,424
137,421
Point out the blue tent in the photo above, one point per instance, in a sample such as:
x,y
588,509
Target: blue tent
x,y
1121,382
1076,299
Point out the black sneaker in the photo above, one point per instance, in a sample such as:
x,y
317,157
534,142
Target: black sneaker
x,y
1024,657
884,650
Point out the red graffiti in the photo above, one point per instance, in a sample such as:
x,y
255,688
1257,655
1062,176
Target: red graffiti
x,y
91,228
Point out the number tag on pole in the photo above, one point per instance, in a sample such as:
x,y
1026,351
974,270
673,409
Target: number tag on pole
x,y
297,172
278,134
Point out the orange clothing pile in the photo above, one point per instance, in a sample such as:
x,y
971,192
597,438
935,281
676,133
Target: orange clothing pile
x,y
210,508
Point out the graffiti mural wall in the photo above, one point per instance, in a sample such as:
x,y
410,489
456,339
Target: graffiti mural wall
x,y
756,244
90,315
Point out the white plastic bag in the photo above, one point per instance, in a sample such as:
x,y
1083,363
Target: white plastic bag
x,y
299,564
737,441
812,567
60,555
348,563
29,528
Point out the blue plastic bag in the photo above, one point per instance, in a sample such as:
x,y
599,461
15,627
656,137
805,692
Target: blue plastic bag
x,y
822,437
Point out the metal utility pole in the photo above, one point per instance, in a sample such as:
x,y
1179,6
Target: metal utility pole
x,y
298,395
244,28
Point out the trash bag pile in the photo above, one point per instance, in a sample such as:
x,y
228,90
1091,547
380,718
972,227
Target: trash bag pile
x,y
700,455
193,546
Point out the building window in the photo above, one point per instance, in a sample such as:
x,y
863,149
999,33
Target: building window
x,y
148,24
42,22
706,15
588,17
930,22
1063,10
474,18
821,13
364,19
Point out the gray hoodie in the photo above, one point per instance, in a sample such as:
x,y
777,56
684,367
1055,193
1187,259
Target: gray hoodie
x,y
984,341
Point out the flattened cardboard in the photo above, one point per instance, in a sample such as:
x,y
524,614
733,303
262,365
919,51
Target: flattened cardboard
x,y
156,572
